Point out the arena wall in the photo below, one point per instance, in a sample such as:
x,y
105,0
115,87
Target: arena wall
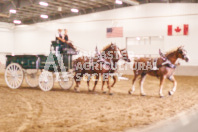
x,y
6,37
89,31
6,43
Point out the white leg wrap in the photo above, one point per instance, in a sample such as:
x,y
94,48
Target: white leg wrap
x,y
141,87
133,88
161,94
174,87
171,92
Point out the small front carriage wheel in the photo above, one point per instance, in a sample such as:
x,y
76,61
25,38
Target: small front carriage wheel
x,y
66,82
14,75
46,81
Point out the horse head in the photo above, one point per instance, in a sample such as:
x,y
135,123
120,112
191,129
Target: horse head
x,y
112,52
124,54
182,53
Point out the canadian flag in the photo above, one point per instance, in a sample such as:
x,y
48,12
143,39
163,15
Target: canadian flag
x,y
178,30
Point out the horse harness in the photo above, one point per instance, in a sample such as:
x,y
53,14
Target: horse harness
x,y
101,61
155,67
166,63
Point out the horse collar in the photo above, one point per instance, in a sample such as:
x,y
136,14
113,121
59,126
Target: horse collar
x,y
168,63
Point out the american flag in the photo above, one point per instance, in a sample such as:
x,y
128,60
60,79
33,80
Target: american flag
x,y
114,32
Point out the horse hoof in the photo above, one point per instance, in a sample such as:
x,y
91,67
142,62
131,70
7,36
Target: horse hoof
x,y
95,92
161,96
129,92
75,88
110,93
170,93
89,90
104,92
143,94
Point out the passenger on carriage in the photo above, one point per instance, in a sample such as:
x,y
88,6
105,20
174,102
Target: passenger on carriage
x,y
63,39
60,36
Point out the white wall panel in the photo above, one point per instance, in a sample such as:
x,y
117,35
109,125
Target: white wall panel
x,y
6,37
87,31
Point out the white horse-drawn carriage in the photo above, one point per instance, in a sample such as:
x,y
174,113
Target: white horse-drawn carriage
x,y
59,63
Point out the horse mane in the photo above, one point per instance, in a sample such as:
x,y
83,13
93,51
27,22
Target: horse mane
x,y
171,51
106,47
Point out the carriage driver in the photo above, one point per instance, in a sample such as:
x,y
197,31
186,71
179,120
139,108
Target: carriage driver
x,y
67,41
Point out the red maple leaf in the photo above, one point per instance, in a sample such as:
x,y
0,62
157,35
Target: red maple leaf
x,y
177,29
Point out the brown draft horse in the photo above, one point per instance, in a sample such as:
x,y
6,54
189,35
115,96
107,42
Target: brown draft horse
x,y
125,57
99,65
164,70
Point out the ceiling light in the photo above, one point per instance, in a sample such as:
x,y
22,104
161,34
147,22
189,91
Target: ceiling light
x,y
12,11
59,8
138,38
17,21
131,2
43,3
74,10
118,2
44,16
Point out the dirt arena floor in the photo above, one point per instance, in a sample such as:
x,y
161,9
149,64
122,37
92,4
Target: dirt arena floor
x,y
30,109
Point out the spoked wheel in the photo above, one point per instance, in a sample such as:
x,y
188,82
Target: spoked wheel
x,y
31,78
66,81
14,75
46,81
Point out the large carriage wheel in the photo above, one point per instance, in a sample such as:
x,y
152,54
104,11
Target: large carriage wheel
x,y
31,78
14,75
66,81
46,81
